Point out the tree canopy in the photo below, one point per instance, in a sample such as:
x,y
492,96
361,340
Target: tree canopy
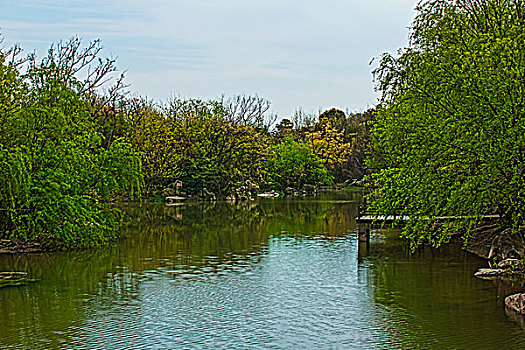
x,y
72,145
294,164
56,175
449,137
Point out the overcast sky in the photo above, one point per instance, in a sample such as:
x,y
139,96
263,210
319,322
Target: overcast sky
x,y
310,54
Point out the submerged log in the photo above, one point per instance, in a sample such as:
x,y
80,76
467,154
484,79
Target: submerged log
x,y
9,278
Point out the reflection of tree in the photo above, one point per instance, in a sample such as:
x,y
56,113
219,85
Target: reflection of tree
x,y
55,302
156,242
158,231
433,290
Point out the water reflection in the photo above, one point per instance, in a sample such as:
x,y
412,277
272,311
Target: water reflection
x,y
433,299
302,293
160,243
266,274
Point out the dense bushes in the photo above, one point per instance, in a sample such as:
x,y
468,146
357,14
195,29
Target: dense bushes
x,y
212,146
196,142
294,164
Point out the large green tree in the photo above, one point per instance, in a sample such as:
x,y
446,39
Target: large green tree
x,y
294,164
57,176
198,142
449,138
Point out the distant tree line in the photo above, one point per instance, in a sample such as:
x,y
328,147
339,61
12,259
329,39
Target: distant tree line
x,y
72,143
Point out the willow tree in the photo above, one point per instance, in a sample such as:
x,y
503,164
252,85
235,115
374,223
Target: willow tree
x,y
449,138
56,175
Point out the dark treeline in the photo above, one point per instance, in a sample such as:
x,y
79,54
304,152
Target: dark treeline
x,y
72,142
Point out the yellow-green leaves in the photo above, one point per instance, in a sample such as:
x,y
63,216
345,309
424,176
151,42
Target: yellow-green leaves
x,y
449,139
294,164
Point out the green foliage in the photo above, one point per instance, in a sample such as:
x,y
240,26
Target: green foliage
x,y
56,177
221,155
67,152
357,128
449,139
339,139
197,142
294,164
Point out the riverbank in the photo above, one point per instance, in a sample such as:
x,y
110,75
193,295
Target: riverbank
x,y
504,251
20,247
493,243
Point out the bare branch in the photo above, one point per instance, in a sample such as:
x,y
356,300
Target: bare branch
x,y
247,110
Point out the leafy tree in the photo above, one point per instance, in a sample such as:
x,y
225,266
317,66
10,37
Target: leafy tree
x,y
198,142
284,128
293,164
329,143
357,128
56,176
449,138
220,155
156,138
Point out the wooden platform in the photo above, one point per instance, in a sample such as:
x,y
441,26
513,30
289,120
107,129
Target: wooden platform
x,y
380,219
368,221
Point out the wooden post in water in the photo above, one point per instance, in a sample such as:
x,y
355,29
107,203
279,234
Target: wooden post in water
x,y
363,249
363,232
363,241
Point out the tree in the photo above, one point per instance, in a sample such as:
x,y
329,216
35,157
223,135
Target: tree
x,y
329,143
293,164
56,175
249,110
157,138
449,138
197,142
302,119
285,127
357,128
221,155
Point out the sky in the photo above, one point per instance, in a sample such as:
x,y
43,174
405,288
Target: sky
x,y
295,53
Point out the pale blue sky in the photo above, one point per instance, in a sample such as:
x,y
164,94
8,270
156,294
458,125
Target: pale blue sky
x,y
310,54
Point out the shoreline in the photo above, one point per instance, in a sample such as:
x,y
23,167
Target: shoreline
x,y
10,247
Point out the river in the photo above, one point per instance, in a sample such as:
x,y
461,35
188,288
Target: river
x,y
269,274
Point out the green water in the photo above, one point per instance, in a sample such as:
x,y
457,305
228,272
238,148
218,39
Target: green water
x,y
271,274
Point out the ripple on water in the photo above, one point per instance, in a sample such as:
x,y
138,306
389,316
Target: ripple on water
x,y
306,293
297,295
201,283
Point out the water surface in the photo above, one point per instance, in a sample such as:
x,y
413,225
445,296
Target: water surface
x,y
272,274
